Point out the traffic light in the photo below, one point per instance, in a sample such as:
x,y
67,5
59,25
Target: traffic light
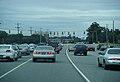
x,y
84,32
62,33
73,33
50,33
68,33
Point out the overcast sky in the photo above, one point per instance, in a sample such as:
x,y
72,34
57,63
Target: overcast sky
x,y
59,15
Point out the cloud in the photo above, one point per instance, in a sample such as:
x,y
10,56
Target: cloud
x,y
44,13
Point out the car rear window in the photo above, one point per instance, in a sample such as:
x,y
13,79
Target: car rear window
x,y
81,46
44,48
4,47
114,51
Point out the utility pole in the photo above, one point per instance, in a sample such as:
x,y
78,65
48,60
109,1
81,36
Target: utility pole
x,y
106,29
31,30
18,27
40,35
113,32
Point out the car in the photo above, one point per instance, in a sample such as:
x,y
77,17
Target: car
x,y
19,52
102,49
110,57
80,49
91,48
57,48
32,47
44,52
8,52
71,48
24,49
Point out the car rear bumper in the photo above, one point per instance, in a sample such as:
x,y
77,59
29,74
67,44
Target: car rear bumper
x,y
43,56
8,56
113,62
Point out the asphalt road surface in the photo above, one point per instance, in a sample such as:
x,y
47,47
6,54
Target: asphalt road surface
x,y
24,70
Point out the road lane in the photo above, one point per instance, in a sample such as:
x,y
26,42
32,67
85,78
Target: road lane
x,y
88,65
60,71
6,66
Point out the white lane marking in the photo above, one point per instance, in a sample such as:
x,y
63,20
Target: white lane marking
x,y
15,68
78,70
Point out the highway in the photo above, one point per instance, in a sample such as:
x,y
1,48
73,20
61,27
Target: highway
x,y
24,70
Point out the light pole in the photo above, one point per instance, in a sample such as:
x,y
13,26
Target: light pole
x,y
40,35
106,33
113,32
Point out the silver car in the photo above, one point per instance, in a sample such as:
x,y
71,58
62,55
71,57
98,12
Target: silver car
x,y
44,52
110,57
8,52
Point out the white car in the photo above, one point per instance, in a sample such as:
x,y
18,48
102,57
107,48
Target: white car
x,y
8,52
110,57
44,52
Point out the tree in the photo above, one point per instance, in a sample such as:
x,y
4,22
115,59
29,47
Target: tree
x,y
14,38
95,33
3,36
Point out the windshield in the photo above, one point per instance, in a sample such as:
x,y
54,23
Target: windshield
x,y
4,47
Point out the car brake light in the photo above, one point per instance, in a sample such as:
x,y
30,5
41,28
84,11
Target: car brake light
x,y
36,52
8,50
114,58
50,52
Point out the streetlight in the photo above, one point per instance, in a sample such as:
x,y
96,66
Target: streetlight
x,y
113,32
40,35
106,29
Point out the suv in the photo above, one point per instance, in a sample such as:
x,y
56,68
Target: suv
x,y
80,49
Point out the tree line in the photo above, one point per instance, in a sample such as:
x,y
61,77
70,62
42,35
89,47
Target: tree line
x,y
99,34
19,38
95,34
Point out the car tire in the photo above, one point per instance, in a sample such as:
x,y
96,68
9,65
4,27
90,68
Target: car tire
x,y
34,59
99,65
57,52
105,66
85,53
13,59
75,54
16,59
53,60
20,57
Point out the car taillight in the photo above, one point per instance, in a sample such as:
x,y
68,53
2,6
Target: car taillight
x,y
36,52
8,50
114,58
50,52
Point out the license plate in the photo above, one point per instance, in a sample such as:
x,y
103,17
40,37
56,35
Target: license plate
x,y
43,53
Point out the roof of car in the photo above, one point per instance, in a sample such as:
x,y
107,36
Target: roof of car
x,y
44,46
5,45
112,48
